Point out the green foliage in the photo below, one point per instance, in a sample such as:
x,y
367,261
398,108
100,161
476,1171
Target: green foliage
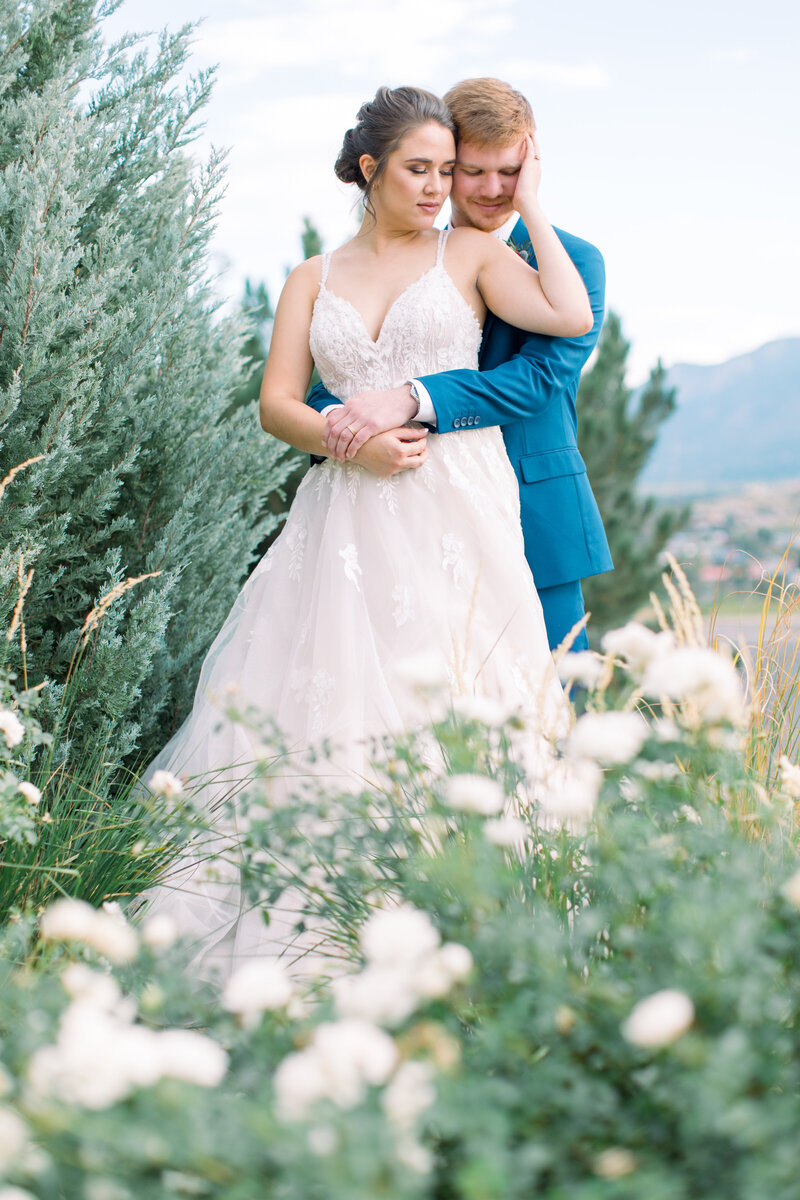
x,y
617,433
257,308
115,372
310,239
520,1061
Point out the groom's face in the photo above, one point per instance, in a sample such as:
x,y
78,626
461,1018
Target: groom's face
x,y
483,184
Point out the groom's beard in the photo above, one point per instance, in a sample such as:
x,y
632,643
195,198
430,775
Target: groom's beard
x,y
484,216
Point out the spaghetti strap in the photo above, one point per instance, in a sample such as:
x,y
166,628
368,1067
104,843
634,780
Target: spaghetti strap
x,y
326,263
443,236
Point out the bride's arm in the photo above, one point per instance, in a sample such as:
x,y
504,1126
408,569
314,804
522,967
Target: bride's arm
x,y
549,300
283,410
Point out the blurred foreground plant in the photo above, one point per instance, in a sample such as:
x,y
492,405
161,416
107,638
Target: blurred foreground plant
x,y
581,993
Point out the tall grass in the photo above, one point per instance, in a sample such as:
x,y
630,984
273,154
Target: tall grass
x,y
772,670
95,835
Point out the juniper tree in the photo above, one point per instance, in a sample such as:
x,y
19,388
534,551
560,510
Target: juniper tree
x,y
617,431
116,368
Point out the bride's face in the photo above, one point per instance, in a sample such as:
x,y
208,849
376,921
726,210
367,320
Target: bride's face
x,y
417,178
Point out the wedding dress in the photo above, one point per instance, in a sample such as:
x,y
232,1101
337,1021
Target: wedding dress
x,y
370,581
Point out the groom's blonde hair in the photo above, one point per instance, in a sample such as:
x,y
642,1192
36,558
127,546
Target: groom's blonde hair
x,y
489,112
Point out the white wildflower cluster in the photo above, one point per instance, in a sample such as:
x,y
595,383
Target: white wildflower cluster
x,y
569,795
791,889
659,1019
104,930
583,667
509,832
164,783
11,727
637,645
474,793
405,964
341,1061
409,1094
14,1139
101,1055
701,679
607,737
485,710
256,987
30,791
789,777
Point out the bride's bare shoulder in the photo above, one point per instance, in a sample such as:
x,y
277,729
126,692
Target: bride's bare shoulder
x,y
468,241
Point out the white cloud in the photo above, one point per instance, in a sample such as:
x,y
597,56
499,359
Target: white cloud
x,y
387,39
521,71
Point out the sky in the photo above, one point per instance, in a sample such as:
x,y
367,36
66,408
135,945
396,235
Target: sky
x,y
670,136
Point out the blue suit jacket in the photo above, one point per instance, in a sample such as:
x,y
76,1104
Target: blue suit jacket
x,y
527,383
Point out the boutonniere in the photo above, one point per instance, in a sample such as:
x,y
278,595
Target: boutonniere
x,y
523,249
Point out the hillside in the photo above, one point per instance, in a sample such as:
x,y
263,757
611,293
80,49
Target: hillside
x,y
736,422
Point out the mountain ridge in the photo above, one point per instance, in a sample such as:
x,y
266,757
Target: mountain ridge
x,y
735,422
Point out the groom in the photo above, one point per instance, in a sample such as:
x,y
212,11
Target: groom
x,y
527,382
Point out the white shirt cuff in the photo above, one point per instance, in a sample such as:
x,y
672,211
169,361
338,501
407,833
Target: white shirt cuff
x,y
323,412
427,413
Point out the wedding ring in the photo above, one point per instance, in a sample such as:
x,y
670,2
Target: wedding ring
x,y
350,427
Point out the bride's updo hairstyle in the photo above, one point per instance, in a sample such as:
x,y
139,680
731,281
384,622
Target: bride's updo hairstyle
x,y
382,124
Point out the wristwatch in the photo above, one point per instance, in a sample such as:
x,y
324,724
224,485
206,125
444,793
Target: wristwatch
x,y
415,396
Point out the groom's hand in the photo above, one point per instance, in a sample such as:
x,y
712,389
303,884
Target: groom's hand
x,y
393,451
363,416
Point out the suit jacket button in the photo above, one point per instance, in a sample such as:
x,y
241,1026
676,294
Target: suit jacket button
x,y
457,423
477,420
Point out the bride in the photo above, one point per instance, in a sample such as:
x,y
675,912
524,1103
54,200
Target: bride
x,y
412,549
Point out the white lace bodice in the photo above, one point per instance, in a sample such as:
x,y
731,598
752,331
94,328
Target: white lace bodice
x,y
430,327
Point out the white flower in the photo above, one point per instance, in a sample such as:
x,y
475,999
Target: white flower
x,y
322,1140
164,783
13,1138
411,1154
581,666
608,737
30,792
423,672
379,994
100,1056
637,644
98,987
299,1083
159,932
343,1058
474,793
191,1056
659,1019
615,1163
76,921
790,777
436,975
507,831
409,1093
256,986
700,677
11,727
659,771
791,889
570,799
482,709
394,936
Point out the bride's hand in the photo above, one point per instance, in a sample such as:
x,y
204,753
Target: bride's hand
x,y
364,415
526,192
396,450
